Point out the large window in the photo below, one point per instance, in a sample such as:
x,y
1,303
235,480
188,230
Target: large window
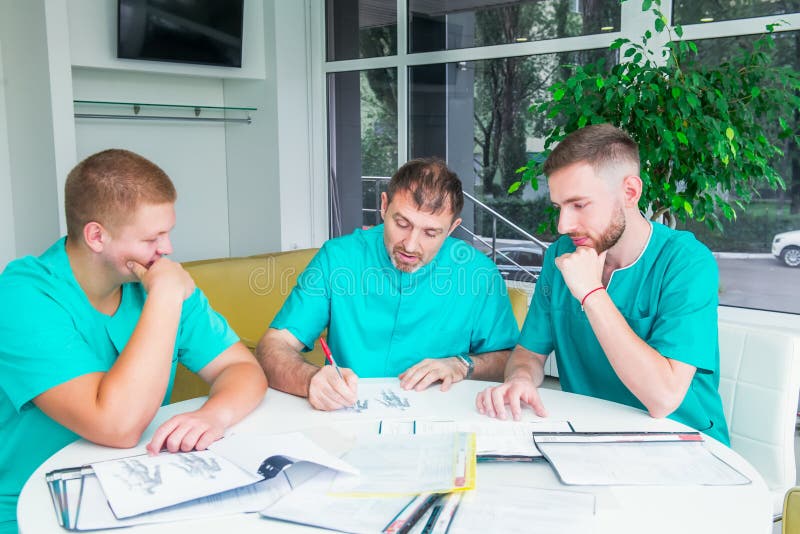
x,y
448,24
456,78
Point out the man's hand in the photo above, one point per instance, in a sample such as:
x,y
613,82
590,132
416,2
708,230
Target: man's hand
x,y
492,401
420,376
164,275
327,391
185,432
582,270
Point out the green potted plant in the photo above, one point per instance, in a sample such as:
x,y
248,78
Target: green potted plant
x,y
709,135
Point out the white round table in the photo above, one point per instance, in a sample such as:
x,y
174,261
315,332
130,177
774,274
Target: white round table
x,y
619,509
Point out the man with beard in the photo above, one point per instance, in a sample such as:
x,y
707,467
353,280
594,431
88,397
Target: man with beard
x,y
400,299
629,305
91,331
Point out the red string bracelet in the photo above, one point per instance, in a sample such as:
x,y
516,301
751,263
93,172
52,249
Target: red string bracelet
x,y
586,296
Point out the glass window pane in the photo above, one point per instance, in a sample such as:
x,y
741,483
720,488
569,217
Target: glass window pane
x,y
362,145
475,115
450,24
750,275
360,28
697,11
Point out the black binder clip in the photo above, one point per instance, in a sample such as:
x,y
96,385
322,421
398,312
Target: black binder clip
x,y
273,465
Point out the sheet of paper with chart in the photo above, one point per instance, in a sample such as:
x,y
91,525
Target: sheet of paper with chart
x,y
139,484
495,439
409,465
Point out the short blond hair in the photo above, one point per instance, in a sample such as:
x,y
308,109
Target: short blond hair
x,y
599,145
107,187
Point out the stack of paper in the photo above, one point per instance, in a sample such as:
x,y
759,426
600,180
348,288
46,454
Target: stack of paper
x,y
393,471
237,475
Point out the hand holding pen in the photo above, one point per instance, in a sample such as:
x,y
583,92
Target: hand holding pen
x,y
332,387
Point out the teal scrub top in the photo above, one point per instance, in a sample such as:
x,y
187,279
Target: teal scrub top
x,y
668,297
49,334
381,321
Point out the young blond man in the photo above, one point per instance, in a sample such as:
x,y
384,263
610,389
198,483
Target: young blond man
x,y
91,330
628,305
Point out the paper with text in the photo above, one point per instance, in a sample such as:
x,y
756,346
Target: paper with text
x,y
493,437
345,514
408,465
524,509
639,463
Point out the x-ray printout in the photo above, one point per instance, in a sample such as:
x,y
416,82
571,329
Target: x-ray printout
x,y
139,484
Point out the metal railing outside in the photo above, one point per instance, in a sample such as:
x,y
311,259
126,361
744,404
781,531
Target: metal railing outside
x,y
479,205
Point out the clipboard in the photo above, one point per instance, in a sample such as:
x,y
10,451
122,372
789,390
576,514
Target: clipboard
x,y
635,458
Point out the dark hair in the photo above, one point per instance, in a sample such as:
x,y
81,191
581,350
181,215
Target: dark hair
x,y
108,186
433,186
597,145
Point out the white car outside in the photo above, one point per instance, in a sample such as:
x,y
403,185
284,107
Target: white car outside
x,y
786,247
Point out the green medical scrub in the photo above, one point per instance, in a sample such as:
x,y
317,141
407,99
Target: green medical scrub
x,y
668,297
49,334
381,321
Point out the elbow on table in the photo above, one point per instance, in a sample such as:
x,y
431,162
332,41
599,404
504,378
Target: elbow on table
x,y
118,435
661,408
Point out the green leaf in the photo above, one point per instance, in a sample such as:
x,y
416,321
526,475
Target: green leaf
x,y
559,94
513,187
676,92
682,138
729,133
582,121
678,30
688,207
755,91
629,52
521,169
646,5
599,82
659,25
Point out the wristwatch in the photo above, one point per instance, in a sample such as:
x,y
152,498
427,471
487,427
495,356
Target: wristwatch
x,y
466,359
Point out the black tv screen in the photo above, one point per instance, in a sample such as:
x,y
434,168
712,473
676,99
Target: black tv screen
x,y
207,32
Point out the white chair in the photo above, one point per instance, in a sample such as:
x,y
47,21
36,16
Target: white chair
x,y
759,385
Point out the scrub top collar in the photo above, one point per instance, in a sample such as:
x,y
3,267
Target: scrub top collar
x,y
639,257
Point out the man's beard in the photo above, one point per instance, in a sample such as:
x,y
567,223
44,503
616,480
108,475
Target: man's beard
x,y
613,232
402,266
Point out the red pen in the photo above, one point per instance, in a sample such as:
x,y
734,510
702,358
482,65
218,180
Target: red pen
x,y
329,357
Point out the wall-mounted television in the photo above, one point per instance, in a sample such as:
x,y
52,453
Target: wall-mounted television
x,y
207,32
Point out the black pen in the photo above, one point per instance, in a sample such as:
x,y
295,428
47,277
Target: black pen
x,y
417,513
432,519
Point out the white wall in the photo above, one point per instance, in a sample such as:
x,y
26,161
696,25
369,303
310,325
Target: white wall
x,y
8,246
242,189
191,153
40,144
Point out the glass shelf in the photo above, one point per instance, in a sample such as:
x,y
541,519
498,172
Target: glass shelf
x,y
138,107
